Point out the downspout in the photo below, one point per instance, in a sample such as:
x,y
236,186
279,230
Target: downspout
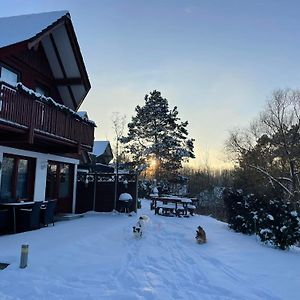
x,y
74,190
94,191
1,160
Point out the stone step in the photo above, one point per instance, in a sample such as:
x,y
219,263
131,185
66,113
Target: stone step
x,y
68,217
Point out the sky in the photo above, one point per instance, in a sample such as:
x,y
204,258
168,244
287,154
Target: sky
x,y
217,61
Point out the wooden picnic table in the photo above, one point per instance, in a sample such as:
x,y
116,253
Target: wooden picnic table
x,y
180,204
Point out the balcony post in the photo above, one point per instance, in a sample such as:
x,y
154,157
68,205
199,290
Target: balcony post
x,y
32,123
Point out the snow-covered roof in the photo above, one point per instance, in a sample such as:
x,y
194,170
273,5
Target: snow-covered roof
x,y
55,32
100,147
102,151
21,28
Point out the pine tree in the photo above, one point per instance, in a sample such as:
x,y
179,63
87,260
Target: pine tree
x,y
157,138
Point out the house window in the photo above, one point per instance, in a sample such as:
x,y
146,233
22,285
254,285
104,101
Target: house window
x,y
6,178
17,178
64,186
9,76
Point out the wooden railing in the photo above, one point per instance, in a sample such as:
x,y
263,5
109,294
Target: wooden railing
x,y
23,110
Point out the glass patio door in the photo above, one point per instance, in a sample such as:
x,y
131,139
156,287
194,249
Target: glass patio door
x,y
60,185
17,178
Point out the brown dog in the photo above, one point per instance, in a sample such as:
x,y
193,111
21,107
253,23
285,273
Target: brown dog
x,y
200,235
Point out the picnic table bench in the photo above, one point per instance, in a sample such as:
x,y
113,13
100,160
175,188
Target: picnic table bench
x,y
166,209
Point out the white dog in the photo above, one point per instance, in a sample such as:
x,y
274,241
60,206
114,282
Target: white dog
x,y
144,218
137,231
139,226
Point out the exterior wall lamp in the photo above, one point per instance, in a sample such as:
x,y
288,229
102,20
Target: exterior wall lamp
x,y
86,181
125,182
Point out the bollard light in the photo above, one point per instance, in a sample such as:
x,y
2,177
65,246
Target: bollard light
x,y
24,256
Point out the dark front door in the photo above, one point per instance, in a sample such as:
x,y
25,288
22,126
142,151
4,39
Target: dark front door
x,y
60,185
17,178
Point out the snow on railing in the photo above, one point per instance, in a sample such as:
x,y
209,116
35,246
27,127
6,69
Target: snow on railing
x,y
24,107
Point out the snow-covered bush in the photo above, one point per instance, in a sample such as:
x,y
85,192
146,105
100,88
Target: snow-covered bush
x,y
279,225
241,215
274,221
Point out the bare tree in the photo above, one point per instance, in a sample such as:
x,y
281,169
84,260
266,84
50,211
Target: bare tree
x,y
119,122
280,118
271,144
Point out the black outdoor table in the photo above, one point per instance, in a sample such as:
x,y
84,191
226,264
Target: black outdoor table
x,y
13,206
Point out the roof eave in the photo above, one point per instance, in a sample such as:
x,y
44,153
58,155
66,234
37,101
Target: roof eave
x,y
79,58
66,20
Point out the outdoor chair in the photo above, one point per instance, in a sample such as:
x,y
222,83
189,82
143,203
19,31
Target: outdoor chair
x,y
4,221
29,219
47,213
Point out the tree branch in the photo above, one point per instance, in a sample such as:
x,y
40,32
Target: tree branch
x,y
272,178
285,178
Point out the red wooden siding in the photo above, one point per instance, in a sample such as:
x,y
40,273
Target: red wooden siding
x,y
33,67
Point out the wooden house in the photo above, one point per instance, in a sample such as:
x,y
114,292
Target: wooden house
x,y
43,82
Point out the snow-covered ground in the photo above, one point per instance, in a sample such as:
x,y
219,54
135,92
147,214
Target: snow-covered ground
x,y
96,257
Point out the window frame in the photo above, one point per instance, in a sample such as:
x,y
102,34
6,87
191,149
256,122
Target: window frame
x,y
13,70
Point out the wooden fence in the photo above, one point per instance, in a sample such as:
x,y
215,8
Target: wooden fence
x,y
100,191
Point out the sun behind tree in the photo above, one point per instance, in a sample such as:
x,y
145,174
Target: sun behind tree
x,y
157,139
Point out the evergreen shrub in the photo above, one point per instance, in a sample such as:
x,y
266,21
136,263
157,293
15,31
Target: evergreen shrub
x,y
274,221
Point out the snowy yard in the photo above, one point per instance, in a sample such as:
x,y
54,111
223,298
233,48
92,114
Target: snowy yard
x,y
96,257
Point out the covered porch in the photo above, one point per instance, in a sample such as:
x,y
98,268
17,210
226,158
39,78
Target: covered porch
x,y
28,177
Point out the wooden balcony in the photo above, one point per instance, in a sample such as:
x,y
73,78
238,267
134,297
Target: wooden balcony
x,y
25,118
